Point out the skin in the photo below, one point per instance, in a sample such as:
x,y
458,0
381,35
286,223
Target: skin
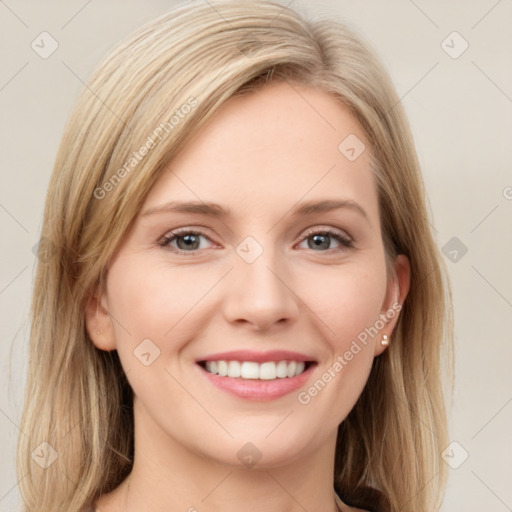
x,y
259,156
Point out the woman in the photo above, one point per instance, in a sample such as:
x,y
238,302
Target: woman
x,y
245,293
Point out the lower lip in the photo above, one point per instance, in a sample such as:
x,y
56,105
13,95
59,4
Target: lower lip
x,y
257,389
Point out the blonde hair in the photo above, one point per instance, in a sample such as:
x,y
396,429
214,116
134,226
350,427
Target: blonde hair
x,y
77,397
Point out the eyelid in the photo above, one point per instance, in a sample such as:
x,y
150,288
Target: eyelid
x,y
327,229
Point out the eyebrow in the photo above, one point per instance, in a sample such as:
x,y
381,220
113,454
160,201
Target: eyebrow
x,y
217,211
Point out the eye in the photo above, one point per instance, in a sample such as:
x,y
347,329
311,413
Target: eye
x,y
187,240
321,239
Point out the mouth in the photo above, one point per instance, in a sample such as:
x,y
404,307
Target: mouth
x,y
252,370
255,375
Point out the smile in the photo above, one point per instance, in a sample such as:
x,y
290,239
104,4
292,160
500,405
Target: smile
x,y
252,370
257,376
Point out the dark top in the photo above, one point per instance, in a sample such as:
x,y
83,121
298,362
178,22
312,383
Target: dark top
x,y
366,498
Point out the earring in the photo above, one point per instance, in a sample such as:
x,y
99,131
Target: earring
x,y
385,340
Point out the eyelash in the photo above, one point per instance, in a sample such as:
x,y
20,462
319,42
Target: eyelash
x,y
347,243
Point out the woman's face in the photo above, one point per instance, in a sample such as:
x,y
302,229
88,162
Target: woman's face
x,y
254,284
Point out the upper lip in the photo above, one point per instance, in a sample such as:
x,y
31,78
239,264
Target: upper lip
x,y
257,357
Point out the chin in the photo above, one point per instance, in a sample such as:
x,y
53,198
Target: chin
x,y
261,450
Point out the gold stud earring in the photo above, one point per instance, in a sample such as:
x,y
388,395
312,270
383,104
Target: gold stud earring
x,y
385,340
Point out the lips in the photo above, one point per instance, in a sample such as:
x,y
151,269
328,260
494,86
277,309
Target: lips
x,y
258,357
257,375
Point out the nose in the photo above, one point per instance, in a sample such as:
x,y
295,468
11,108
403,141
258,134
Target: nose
x,y
260,294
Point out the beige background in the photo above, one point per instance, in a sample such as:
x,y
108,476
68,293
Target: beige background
x,y
460,110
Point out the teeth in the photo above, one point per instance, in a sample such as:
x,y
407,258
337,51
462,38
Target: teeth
x,y
282,369
251,370
222,368
233,369
268,371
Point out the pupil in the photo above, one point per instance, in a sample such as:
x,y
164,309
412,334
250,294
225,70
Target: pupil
x,y
320,240
188,239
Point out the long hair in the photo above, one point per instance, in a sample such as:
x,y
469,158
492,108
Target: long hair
x,y
155,90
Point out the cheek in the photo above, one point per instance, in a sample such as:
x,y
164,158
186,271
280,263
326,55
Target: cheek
x,y
347,305
135,301
346,300
149,299
144,303
149,296
150,306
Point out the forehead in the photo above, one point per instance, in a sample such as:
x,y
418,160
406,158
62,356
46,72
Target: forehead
x,y
273,147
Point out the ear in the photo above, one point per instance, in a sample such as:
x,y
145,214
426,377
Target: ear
x,y
98,321
397,290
